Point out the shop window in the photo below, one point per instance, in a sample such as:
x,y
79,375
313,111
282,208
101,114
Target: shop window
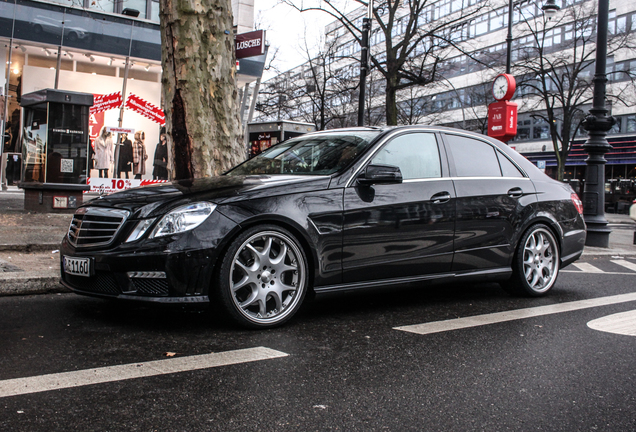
x,y
630,123
96,69
617,126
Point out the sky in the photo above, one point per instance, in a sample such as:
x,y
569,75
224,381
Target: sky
x,y
287,29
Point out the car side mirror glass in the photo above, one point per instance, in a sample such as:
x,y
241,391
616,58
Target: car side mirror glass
x,y
380,174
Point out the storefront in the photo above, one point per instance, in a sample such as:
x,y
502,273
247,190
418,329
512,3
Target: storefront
x,y
114,57
620,170
48,46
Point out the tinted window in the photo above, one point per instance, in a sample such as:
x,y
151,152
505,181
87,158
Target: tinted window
x,y
473,158
318,154
416,154
508,169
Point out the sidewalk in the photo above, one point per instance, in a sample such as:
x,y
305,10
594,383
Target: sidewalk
x,y
29,243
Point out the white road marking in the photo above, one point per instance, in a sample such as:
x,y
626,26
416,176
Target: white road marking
x,y
480,320
626,264
605,273
42,383
588,268
623,323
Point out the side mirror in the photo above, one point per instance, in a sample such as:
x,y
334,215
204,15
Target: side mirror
x,y
380,174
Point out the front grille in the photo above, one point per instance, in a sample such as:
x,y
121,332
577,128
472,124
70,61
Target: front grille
x,y
151,286
93,226
102,283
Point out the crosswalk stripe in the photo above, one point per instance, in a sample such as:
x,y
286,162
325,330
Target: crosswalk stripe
x,y
42,383
588,268
626,264
498,317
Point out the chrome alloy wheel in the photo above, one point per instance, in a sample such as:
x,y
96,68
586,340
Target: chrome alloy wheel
x,y
540,260
267,277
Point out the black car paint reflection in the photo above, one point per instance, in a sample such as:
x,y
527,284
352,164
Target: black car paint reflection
x,y
350,232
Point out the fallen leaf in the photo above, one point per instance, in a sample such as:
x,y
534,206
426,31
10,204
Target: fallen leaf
x,y
170,354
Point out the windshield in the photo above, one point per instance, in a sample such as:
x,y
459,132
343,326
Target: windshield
x,y
320,154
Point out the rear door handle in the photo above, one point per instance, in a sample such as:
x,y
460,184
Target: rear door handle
x,y
441,197
515,192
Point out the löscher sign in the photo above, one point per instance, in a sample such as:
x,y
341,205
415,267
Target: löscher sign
x,y
250,44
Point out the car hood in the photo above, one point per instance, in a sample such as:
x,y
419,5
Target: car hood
x,y
152,200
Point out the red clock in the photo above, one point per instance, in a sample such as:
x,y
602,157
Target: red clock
x,y
504,86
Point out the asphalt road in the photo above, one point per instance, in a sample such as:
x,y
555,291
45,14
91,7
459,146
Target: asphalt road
x,y
339,365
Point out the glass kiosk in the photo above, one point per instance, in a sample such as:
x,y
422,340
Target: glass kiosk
x,y
55,146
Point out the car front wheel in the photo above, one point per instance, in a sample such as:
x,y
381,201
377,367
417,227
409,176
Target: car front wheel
x,y
536,263
263,277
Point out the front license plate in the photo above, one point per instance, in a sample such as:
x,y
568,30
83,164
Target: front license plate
x,y
77,266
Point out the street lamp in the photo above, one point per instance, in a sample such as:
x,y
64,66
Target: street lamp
x,y
364,61
597,124
550,8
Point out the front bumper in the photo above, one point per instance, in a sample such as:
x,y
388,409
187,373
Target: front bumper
x,y
167,270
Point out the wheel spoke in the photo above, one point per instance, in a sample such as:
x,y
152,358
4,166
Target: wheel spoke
x,y
261,286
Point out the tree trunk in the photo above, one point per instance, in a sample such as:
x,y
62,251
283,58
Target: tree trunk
x,y
391,106
199,87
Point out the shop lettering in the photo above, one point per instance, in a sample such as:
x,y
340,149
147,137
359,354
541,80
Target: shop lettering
x,y
248,44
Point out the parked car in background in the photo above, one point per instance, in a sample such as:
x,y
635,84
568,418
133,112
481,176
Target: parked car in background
x,y
330,211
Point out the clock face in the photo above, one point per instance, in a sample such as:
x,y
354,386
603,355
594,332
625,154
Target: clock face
x,y
500,87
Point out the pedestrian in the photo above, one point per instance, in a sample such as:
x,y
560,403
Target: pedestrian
x,y
139,155
103,153
160,171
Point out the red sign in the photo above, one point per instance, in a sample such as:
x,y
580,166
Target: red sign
x,y
250,44
103,103
502,120
146,109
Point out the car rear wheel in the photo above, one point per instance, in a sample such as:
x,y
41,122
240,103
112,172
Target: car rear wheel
x,y
263,277
536,263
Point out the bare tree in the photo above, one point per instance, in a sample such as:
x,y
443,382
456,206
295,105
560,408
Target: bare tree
x,y
199,87
410,40
555,65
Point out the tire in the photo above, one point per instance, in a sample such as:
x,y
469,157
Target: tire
x,y
263,277
535,266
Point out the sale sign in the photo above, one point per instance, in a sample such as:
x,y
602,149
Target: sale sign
x,y
502,120
146,109
106,102
105,186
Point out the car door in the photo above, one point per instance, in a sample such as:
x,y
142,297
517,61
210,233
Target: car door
x,y
394,231
493,196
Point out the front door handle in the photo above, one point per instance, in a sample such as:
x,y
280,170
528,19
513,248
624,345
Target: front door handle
x,y
441,197
515,192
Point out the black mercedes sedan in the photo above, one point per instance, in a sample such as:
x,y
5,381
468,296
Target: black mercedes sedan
x,y
328,211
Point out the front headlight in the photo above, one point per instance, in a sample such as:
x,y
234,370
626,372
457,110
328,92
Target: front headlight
x,y
183,219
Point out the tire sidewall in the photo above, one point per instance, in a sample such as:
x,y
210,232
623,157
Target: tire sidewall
x,y
223,279
518,283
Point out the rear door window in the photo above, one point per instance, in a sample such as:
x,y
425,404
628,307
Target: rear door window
x,y
473,158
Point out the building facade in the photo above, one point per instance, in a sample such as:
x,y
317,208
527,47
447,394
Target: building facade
x,y
550,57
101,47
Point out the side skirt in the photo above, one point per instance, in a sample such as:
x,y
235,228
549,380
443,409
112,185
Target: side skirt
x,y
498,274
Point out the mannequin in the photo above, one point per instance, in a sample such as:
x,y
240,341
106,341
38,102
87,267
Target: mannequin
x,y
103,152
125,156
160,172
139,154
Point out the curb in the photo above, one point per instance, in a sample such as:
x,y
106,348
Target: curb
x,y
25,284
29,247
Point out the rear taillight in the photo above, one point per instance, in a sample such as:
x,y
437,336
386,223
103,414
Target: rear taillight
x,y
577,203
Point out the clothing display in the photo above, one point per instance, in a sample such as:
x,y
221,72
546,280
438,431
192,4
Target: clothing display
x,y
125,160
103,151
160,171
139,155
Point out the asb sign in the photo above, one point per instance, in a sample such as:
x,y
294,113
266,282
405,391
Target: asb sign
x,y
502,120
250,44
